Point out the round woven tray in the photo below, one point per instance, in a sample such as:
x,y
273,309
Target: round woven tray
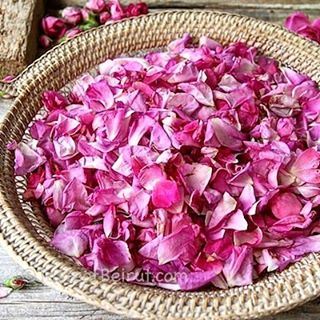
x,y
25,233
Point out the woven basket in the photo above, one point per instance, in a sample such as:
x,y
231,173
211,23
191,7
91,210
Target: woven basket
x,y
25,233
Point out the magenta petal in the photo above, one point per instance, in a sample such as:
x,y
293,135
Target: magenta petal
x,y
296,21
54,100
99,96
165,194
108,255
285,204
75,220
227,135
150,176
195,280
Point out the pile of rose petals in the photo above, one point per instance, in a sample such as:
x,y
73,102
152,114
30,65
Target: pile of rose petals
x,y
74,20
301,24
186,168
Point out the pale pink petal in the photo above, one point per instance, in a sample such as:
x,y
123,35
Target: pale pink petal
x,y
176,244
306,166
196,176
149,176
93,163
150,249
72,242
26,159
138,204
200,91
224,207
238,269
237,221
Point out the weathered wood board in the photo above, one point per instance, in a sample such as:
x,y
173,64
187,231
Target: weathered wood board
x,y
19,27
41,302
270,10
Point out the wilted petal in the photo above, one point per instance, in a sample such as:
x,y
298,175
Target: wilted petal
x,y
227,135
72,242
138,204
176,244
225,206
26,159
197,176
200,91
306,166
195,280
238,268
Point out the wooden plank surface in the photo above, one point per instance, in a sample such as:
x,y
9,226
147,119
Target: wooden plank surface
x,y
295,4
41,302
273,10
19,27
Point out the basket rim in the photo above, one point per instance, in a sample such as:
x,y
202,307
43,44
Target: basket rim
x,y
23,84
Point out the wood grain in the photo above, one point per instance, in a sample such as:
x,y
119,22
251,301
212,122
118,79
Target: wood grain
x,y
19,26
289,4
274,11
41,302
